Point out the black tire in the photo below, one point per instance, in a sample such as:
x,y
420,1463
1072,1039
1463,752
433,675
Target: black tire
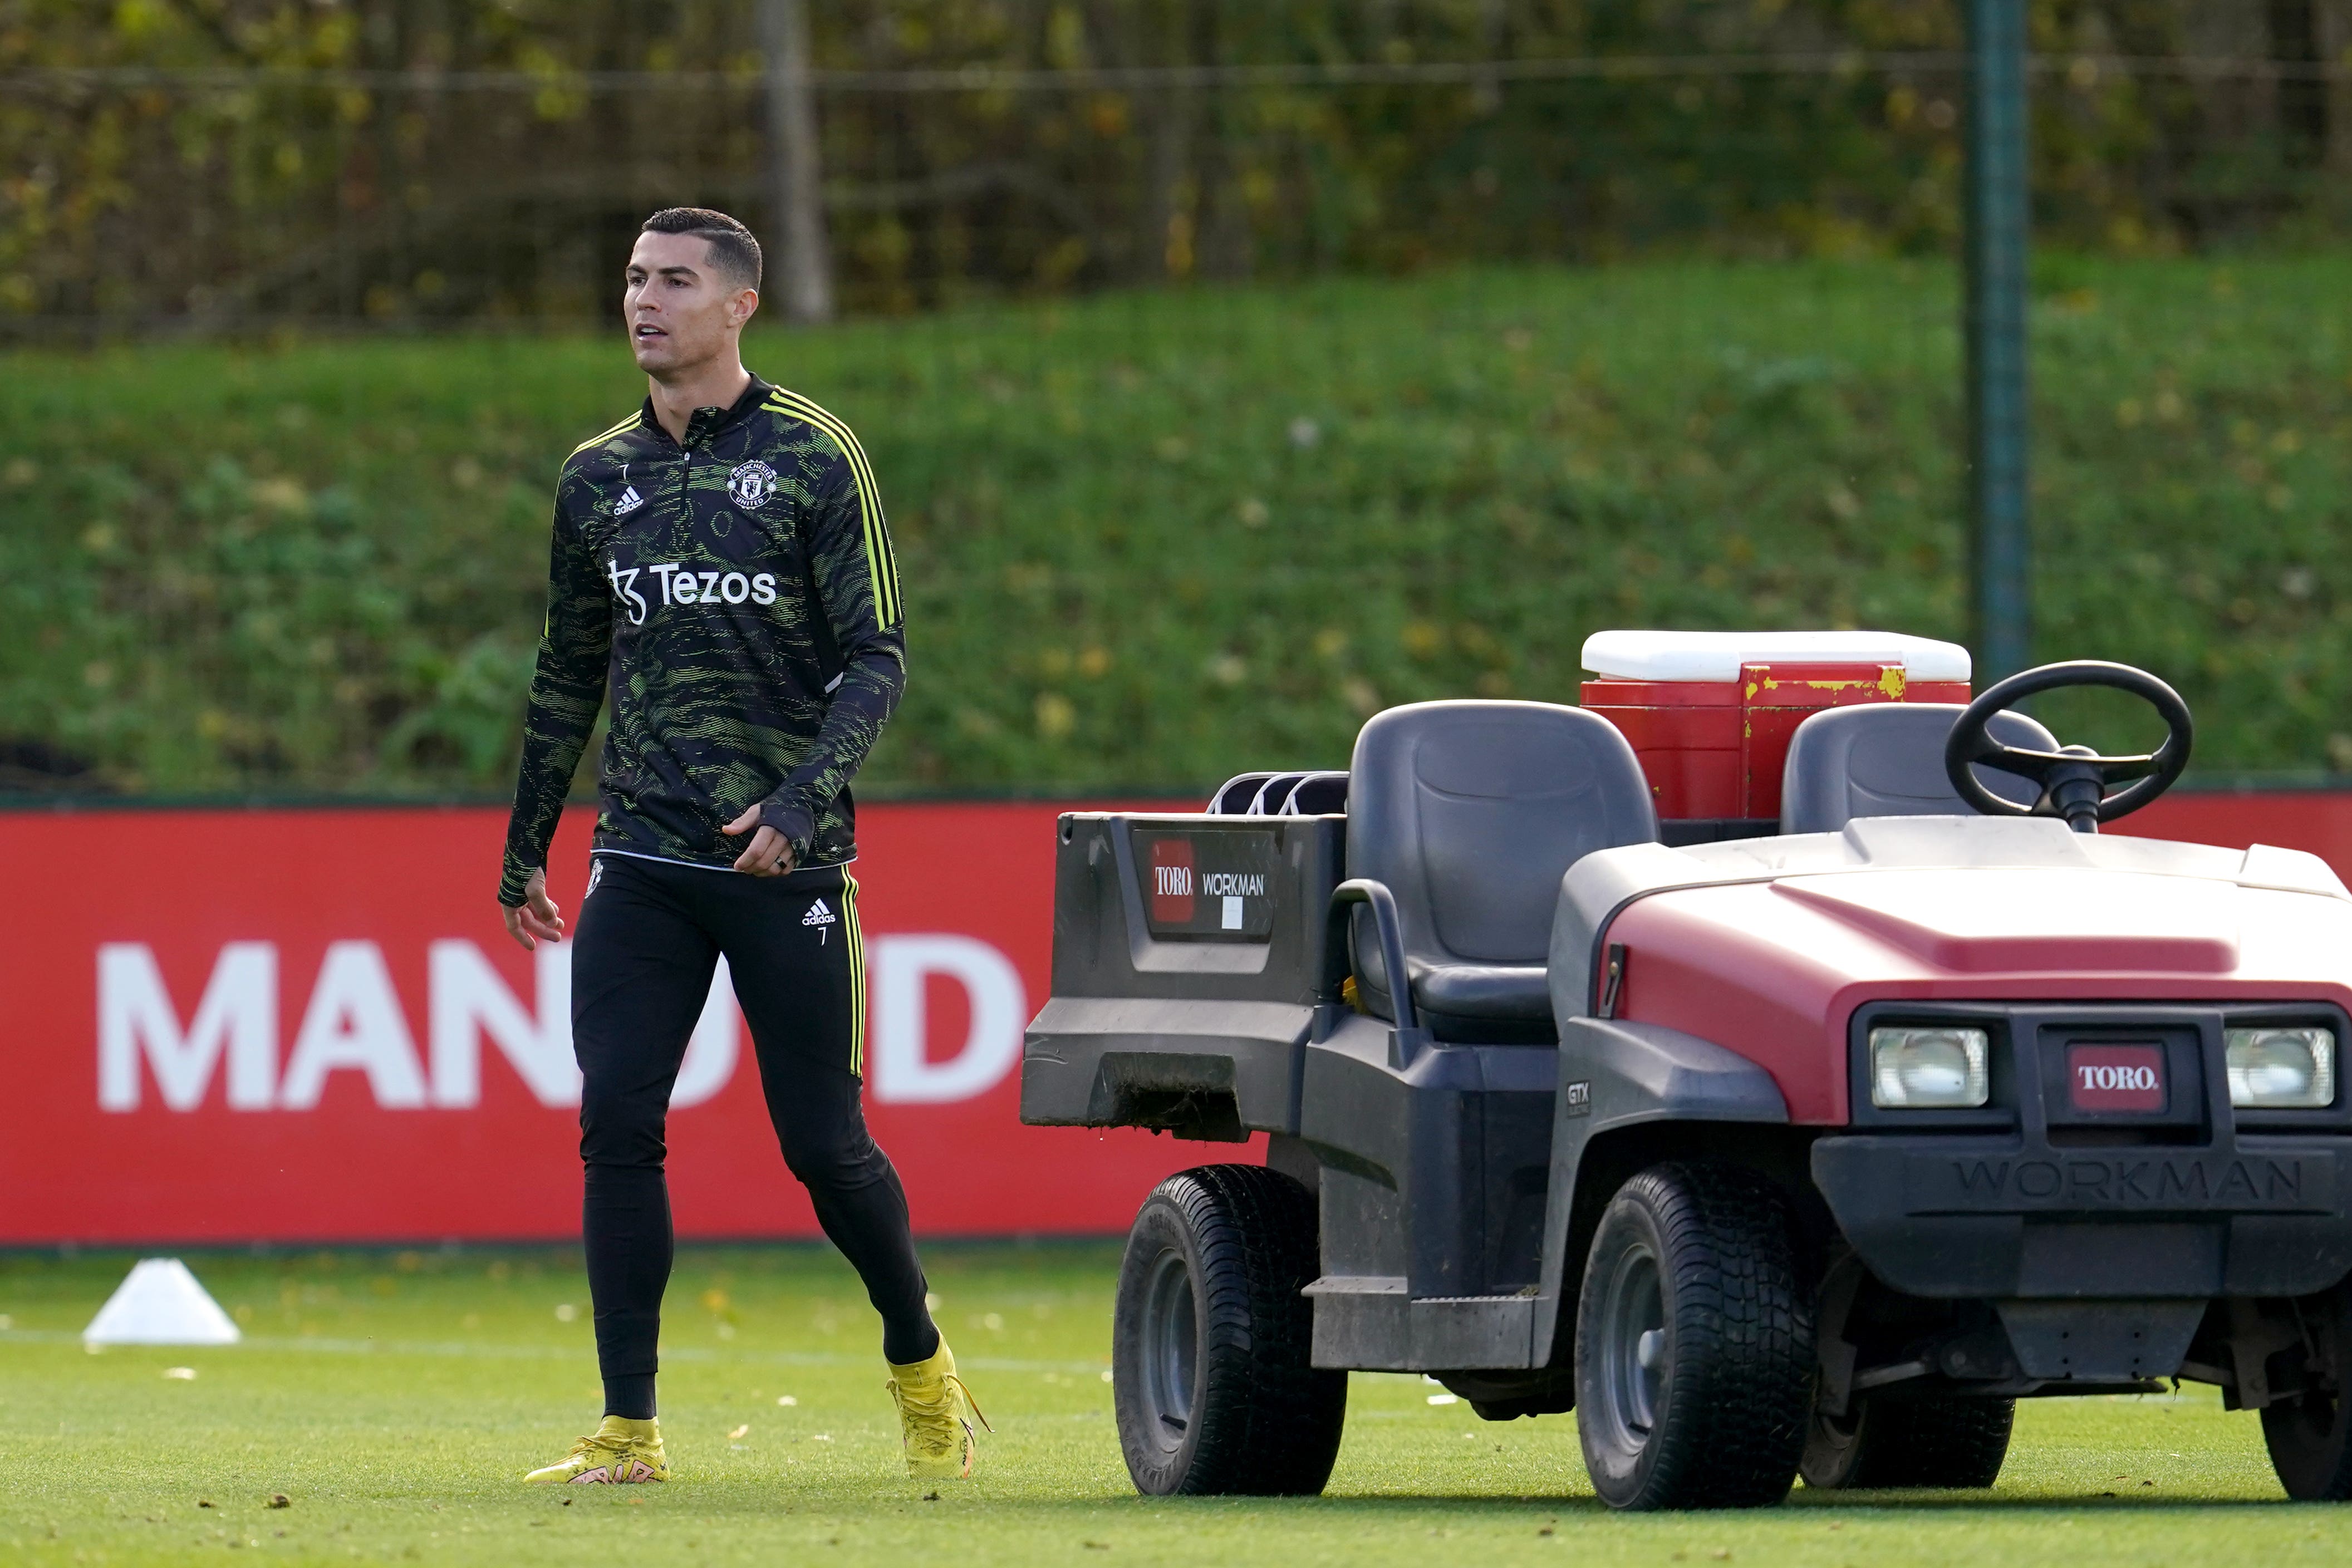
x,y
1694,1343
1889,1443
1210,1338
2310,1440
2310,1436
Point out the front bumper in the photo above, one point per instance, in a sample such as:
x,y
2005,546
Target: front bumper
x,y
1955,1216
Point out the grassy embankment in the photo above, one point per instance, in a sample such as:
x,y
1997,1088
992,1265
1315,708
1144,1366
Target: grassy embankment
x,y
393,1400
1157,539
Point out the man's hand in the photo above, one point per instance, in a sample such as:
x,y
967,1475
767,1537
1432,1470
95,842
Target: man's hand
x,y
770,853
536,919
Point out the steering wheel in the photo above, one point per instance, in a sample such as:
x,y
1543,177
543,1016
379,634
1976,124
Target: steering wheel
x,y
2075,780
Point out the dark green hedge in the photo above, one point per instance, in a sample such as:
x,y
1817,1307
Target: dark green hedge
x,y
1156,538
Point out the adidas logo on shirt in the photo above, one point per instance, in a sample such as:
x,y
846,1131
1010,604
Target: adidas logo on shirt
x,y
629,502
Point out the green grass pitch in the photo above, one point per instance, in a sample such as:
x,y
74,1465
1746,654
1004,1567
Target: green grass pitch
x,y
394,1399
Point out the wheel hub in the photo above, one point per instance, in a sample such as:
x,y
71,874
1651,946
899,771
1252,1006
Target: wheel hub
x,y
1170,1345
1636,1353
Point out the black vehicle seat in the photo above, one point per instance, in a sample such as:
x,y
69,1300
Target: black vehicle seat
x,y
1471,813
1886,760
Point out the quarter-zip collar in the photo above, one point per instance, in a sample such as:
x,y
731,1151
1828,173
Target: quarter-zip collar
x,y
705,423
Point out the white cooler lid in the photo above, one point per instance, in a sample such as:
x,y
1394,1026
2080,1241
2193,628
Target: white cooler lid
x,y
1717,655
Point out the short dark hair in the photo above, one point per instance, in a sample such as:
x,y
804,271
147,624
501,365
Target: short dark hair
x,y
733,252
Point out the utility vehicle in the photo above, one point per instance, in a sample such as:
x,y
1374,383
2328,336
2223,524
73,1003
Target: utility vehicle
x,y
1767,1060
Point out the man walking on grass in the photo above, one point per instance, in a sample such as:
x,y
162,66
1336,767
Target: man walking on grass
x,y
720,563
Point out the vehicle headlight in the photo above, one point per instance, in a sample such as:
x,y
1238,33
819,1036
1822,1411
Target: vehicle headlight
x,y
1939,1068
2281,1068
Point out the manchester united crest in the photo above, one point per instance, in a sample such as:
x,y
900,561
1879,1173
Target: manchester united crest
x,y
750,484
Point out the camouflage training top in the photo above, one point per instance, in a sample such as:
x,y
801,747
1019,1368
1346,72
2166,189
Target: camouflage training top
x,y
737,594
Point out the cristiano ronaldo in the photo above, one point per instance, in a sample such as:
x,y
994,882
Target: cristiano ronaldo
x,y
722,566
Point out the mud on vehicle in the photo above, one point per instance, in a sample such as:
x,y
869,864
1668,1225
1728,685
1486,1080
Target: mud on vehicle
x,y
1768,1061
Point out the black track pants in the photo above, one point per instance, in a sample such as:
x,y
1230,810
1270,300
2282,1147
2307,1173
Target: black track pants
x,y
650,935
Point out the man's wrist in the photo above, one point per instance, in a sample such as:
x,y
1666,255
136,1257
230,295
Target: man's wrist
x,y
514,886
792,822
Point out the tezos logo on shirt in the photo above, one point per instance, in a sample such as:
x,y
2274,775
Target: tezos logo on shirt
x,y
683,585
750,483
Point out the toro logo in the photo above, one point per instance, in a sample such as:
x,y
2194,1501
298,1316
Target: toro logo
x,y
1173,882
2116,1077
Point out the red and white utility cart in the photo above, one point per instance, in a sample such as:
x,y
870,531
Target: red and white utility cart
x,y
1767,1059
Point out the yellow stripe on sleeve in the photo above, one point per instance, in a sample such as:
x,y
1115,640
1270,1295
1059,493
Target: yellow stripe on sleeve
x,y
881,563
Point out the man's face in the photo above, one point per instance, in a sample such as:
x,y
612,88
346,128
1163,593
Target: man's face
x,y
682,312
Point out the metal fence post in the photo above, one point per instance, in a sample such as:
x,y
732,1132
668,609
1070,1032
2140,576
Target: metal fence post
x,y
795,169
1999,219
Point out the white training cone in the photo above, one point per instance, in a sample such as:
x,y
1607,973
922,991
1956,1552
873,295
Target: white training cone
x,y
160,1303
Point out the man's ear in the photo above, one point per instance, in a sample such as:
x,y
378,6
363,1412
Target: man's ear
x,y
740,310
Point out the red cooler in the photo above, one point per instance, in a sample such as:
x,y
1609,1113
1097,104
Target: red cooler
x,y
1710,713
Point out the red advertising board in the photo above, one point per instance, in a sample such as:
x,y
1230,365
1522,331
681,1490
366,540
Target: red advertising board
x,y
289,1026
2316,820
228,1026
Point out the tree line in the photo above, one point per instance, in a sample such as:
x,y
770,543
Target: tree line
x,y
219,164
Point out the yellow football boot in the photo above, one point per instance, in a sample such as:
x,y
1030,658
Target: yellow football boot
x,y
620,1452
935,1415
